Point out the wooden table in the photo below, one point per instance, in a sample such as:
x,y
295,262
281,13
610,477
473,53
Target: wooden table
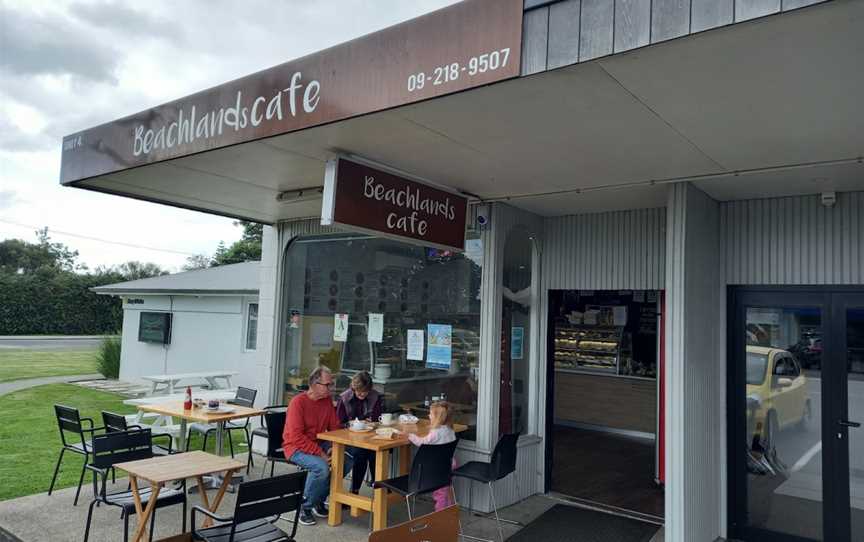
x,y
165,424
175,408
377,505
211,377
159,470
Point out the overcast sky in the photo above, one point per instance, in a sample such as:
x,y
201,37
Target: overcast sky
x,y
66,66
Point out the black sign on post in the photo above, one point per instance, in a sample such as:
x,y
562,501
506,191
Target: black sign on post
x,y
367,199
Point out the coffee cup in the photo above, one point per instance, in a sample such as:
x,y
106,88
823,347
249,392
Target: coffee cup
x,y
386,418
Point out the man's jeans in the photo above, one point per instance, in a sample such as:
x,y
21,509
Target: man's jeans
x,y
318,475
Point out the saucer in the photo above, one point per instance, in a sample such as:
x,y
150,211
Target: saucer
x,y
365,429
392,422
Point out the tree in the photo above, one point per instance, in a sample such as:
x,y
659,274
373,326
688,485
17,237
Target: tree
x,y
65,259
198,261
17,256
134,270
248,248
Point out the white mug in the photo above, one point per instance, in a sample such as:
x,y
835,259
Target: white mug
x,y
386,418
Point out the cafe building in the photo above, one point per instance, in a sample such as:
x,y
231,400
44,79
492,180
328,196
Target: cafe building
x,y
630,231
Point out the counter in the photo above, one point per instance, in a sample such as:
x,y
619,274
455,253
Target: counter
x,y
626,403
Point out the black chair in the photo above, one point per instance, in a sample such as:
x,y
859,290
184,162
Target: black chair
x,y
430,470
274,422
503,462
116,423
117,447
261,431
257,501
70,421
244,397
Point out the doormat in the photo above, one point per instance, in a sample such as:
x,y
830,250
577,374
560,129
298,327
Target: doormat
x,y
572,524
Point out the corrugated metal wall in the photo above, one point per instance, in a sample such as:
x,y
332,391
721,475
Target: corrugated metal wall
x,y
559,33
694,368
794,240
605,251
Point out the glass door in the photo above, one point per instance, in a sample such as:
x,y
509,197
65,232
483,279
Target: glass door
x,y
796,396
849,333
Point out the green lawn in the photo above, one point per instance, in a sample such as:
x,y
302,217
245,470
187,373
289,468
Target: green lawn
x,y
30,441
19,364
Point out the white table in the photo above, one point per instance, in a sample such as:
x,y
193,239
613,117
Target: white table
x,y
211,377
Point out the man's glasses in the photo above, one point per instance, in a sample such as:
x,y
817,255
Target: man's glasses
x,y
328,384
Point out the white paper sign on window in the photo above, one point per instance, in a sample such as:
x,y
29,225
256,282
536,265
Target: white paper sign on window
x,y
340,327
376,327
415,344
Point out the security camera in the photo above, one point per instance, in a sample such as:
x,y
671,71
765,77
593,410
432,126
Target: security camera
x,y
828,199
482,216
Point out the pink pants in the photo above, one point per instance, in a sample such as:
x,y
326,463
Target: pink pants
x,y
443,496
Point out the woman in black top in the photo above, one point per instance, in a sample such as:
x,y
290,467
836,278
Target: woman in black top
x,y
360,401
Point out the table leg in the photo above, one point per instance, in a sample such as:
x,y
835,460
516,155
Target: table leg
x,y
337,466
143,515
202,489
379,496
220,428
404,460
181,439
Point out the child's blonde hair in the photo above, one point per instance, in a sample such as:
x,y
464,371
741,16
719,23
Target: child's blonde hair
x,y
444,408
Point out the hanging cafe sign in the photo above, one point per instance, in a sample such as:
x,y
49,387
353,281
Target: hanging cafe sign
x,y
469,44
367,199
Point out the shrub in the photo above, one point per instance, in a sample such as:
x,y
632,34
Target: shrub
x,y
108,357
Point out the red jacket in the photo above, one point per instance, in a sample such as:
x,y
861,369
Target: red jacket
x,y
304,420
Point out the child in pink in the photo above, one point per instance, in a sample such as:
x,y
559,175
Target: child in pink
x,y
440,432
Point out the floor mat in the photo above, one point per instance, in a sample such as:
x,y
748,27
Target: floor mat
x,y
572,524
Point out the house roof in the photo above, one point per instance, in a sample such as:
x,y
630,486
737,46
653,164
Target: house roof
x,y
237,279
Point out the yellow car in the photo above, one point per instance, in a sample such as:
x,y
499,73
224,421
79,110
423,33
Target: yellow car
x,y
777,395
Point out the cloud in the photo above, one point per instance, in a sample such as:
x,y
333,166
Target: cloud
x,y
50,44
128,21
8,198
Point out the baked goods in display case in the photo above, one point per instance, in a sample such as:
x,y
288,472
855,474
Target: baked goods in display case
x,y
588,348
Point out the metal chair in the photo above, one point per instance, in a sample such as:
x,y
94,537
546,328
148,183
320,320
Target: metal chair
x,y
69,420
256,501
244,397
118,447
261,431
430,470
116,423
503,462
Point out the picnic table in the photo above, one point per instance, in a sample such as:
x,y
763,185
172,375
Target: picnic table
x,y
212,379
160,470
377,505
162,424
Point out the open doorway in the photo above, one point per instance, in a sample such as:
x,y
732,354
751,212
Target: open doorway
x,y
604,353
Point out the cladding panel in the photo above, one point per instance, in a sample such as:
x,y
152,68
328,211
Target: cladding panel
x,y
750,9
705,14
632,24
596,29
794,240
669,19
564,33
535,39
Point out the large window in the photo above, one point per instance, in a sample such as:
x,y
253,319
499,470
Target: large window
x,y
428,301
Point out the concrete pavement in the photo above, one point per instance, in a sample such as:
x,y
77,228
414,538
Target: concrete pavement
x,y
50,342
15,385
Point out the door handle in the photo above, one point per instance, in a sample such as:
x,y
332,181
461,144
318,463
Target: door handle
x,y
847,423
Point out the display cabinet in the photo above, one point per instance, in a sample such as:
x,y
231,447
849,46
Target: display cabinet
x,y
594,349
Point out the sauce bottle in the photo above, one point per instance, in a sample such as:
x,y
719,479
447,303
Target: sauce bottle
x,y
187,404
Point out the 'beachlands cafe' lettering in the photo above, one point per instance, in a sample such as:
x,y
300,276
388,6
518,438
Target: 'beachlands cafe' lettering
x,y
362,198
187,128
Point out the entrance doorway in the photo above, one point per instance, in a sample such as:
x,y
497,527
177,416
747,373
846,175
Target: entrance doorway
x,y
796,405
602,410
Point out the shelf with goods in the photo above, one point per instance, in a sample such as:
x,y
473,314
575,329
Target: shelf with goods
x,y
586,348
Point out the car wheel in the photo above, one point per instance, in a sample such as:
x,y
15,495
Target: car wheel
x,y
771,429
806,421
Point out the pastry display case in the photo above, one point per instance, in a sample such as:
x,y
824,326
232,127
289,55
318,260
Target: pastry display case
x,y
594,349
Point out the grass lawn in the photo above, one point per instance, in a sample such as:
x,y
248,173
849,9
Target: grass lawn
x,y
30,440
19,364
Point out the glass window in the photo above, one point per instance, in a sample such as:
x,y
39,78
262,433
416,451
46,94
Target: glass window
x,y
252,326
429,343
756,365
516,330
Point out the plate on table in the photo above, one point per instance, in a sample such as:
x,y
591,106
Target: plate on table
x,y
219,410
408,419
366,429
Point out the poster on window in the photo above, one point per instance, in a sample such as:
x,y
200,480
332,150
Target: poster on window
x,y
376,327
517,339
340,327
415,344
439,351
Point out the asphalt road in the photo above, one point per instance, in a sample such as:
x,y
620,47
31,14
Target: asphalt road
x,y
50,343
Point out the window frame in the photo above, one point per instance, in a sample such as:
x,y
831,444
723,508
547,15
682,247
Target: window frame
x,y
247,303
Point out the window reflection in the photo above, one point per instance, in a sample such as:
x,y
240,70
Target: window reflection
x,y
417,289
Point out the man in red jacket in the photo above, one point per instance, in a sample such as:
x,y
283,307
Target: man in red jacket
x,y
308,414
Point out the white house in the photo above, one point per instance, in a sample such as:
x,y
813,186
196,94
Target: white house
x,y
200,321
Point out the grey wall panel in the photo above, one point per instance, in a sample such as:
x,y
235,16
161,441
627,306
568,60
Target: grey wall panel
x,y
794,240
564,33
750,9
669,19
596,29
705,14
605,251
535,38
795,4
632,24
694,400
